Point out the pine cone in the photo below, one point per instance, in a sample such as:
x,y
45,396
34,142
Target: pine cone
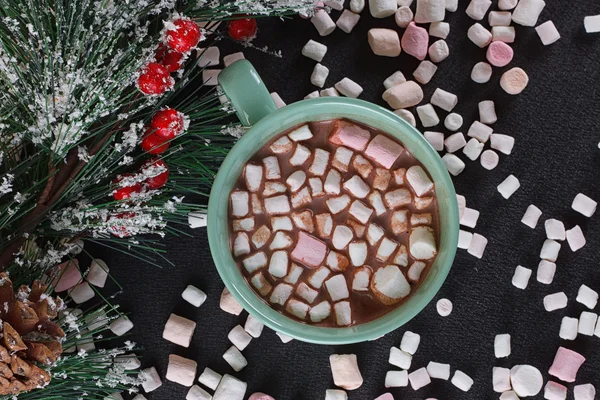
x,y
29,336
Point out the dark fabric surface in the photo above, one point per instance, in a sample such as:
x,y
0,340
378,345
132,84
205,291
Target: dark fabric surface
x,y
556,126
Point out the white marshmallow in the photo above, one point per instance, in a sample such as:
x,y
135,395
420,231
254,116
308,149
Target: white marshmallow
x,y
545,272
489,159
384,42
281,145
550,250
374,234
500,18
235,359
584,392
527,12
358,253
314,50
230,388
98,273
453,122
342,235
455,142
181,370
419,378
231,58
462,205
503,143
419,180
464,239
477,246
82,293
575,238
332,182
425,72
555,391
320,162
430,11
361,279
128,362
480,131
587,323
254,328
245,224
210,77
280,241
253,175
382,8
241,244
121,326
281,294
323,22
197,220
396,379
197,393
587,297
487,112
297,308
479,35
284,338
568,328
439,29
481,72
453,164
473,149
555,229
312,95
428,116
209,56
531,216
343,313
469,218
435,139
335,4
510,395
395,79
272,170
229,304
342,158
318,276
320,312
239,337
555,301
584,205
389,284
356,186
281,223
296,180
410,342
400,358
150,379
507,4
337,287
294,274
262,285
501,379
347,21
502,345
319,75
277,205
401,257
451,5
255,262
509,186
403,16
504,34
443,99
592,23
438,370
462,381
344,368
357,6
335,394
272,188
478,8
422,243
338,204
179,330
349,88
438,51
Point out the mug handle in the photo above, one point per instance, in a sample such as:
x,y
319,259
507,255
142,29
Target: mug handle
x,y
247,92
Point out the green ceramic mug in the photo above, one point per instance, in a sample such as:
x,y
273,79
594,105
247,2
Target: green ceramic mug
x,y
255,107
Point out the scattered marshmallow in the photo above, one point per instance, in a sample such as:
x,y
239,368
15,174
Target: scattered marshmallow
x,y
210,77
312,95
435,139
403,95
419,378
438,51
425,72
509,186
584,205
235,359
314,50
504,34
451,5
209,56
335,394
502,346
179,330
329,92
196,393
531,216
462,381
455,142
150,379
501,379
502,143
230,388
487,112
479,35
507,4
410,342
347,21
499,54
382,8
587,323
82,293
439,29
415,41
575,238
527,12
400,358
453,122
98,273
500,18
349,88
469,217
323,22
489,159
555,391
481,72
555,301
548,33
566,364
478,8
396,379
480,131
453,164
384,42
477,246
584,392
231,58
319,75
444,100
510,395
254,328
395,79
473,149
357,6
550,250
239,337
592,23
555,229
546,271
430,11
462,205
181,370
403,16
514,81
444,308
568,328
344,368
526,380
229,304
389,285
121,326
587,297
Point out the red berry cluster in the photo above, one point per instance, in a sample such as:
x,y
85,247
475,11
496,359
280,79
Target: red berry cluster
x,y
242,29
165,125
155,78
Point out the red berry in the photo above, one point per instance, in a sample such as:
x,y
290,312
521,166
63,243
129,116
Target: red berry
x,y
167,123
161,51
242,29
185,36
154,144
125,192
160,180
155,79
172,61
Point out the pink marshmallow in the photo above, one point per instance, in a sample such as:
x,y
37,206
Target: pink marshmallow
x,y
385,396
566,364
309,250
68,275
350,135
384,151
499,54
415,41
260,396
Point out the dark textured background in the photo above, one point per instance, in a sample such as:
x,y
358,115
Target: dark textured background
x,y
556,126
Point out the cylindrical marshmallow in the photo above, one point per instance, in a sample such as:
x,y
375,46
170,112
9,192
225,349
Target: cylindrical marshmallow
x,y
319,75
394,79
415,41
444,100
384,42
527,12
181,370
592,23
323,22
347,21
479,35
314,50
428,116
335,4
453,122
403,16
477,9
277,100
430,11
455,142
439,29
507,4
451,5
500,18
489,159
382,8
453,164
504,34
435,139
349,88
312,95
499,54
425,71
482,72
487,112
406,115
514,81
404,95
438,51
547,32
502,143
473,149
357,6
329,92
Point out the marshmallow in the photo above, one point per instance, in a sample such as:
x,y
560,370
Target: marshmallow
x,y
592,23
334,394
477,246
97,273
384,42
455,142
531,216
246,224
430,11
401,257
208,57
438,51
587,297
469,218
324,225
451,5
341,159
320,312
479,35
499,18
453,122
179,330
489,159
473,149
320,162
142,397
427,115
231,58
584,205
509,186
349,88
400,358
374,234
239,337
499,54
555,229
350,135
555,391
347,21
510,395
318,276
361,279
422,243
480,131
121,326
306,292
444,308
294,274
435,139
462,205
424,72
584,392
128,362
501,379
526,380
344,368
337,287
69,275
150,379
477,9
181,370
196,220
389,284
357,6
419,378
462,381
342,235
527,12
403,16
284,338
502,346
230,388
358,253
507,4
396,379
210,77
545,272
438,371
281,145
338,204
277,205
343,313
504,34
357,187
550,250
329,92
453,164
410,342
399,175
439,29
319,75
568,328
197,393
272,188
566,364
382,179
548,33
575,238
314,50
386,248
281,294
481,72
419,180
384,151
229,304
281,224
254,328
82,293
587,323
260,237
312,95
297,308
255,262
395,79
253,175
398,198
404,95
415,41
240,203
487,112
323,22
382,8
277,100
280,241
502,143
335,4
555,301
514,81
444,100
332,182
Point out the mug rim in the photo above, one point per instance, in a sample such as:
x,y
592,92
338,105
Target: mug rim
x,y
238,285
